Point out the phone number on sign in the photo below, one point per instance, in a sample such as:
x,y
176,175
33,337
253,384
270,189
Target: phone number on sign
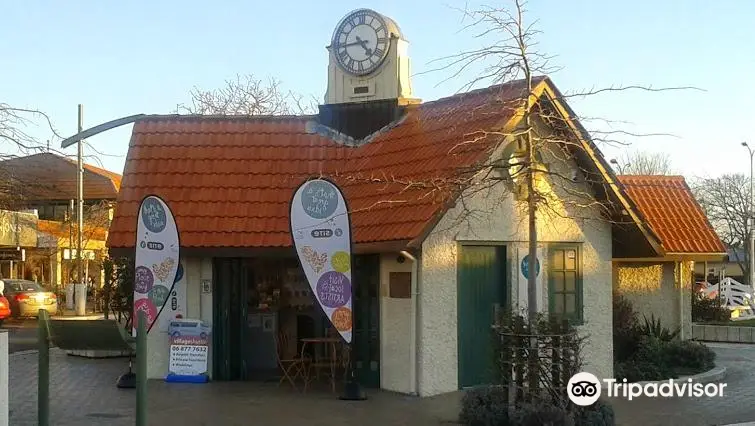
x,y
177,348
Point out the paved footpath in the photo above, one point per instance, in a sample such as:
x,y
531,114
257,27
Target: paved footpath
x,y
737,405
83,392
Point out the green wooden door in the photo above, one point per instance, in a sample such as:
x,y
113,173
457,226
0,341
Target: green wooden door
x,y
229,314
481,292
366,335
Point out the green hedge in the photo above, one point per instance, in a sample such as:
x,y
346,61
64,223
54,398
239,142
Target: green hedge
x,y
657,359
488,406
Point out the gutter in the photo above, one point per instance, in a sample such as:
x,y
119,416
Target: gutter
x,y
413,377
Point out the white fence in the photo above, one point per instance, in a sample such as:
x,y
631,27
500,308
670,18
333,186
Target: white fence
x,y
733,295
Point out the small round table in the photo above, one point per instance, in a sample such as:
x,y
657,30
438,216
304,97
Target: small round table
x,y
330,361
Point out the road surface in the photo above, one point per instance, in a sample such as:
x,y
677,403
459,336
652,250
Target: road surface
x,y
22,334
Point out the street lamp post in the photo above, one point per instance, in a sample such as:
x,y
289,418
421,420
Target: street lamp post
x,y
618,166
751,223
80,301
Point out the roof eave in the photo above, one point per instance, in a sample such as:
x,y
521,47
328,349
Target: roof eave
x,y
549,89
375,247
674,257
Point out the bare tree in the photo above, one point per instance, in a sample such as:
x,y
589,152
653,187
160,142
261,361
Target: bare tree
x,y
550,136
644,163
726,202
247,95
14,140
96,221
540,164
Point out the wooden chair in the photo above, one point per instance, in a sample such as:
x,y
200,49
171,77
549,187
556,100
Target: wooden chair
x,y
290,367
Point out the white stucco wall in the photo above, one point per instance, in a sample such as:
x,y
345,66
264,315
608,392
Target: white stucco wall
x,y
499,219
198,305
395,329
654,290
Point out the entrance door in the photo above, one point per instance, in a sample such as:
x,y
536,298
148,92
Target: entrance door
x,y
481,292
229,311
366,334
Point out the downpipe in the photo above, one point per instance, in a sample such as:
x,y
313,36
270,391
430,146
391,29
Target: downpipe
x,y
414,388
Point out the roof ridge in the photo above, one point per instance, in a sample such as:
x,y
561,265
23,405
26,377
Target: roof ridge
x,y
482,90
239,117
94,169
656,177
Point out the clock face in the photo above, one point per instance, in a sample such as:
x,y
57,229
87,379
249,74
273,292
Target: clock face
x,y
360,42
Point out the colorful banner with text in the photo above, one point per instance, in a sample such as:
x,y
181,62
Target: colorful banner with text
x,y
321,231
157,251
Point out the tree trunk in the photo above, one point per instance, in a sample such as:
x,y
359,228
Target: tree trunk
x,y
532,255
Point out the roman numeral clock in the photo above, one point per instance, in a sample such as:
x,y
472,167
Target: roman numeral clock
x,y
368,60
361,42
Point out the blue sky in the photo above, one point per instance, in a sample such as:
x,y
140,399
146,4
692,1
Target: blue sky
x,y
123,58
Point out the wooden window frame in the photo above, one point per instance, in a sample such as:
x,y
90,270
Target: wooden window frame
x,y
577,319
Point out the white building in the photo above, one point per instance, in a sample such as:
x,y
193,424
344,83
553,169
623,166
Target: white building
x,y
438,248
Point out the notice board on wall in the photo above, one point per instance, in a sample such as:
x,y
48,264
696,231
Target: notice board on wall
x,y
400,285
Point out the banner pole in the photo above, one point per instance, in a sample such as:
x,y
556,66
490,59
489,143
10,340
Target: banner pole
x,y
141,369
352,390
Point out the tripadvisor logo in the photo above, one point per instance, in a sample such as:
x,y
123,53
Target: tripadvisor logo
x,y
585,388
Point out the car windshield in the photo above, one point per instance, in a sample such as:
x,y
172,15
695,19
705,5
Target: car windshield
x,y
22,285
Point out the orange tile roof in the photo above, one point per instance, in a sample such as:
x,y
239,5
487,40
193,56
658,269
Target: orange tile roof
x,y
229,179
115,178
670,208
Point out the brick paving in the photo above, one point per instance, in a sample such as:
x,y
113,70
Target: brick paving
x,y
83,392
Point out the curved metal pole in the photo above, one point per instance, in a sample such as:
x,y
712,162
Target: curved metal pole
x,y
101,128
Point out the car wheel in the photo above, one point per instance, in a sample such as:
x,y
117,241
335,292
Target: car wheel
x,y
203,335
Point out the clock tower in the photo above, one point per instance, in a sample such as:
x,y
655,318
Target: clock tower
x,y
368,61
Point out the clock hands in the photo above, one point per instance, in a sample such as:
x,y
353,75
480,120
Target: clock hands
x,y
355,43
359,42
367,50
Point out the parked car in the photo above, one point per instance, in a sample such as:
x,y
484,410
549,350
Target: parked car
x,y
28,297
4,309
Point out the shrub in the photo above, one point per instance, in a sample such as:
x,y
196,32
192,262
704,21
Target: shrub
x,y
659,360
536,357
485,406
119,291
705,309
690,357
650,362
654,329
540,414
625,329
599,414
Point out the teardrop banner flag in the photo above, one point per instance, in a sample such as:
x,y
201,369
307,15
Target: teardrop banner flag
x,y
321,230
156,265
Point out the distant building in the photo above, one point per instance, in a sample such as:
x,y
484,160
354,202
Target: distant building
x,y
711,271
38,227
